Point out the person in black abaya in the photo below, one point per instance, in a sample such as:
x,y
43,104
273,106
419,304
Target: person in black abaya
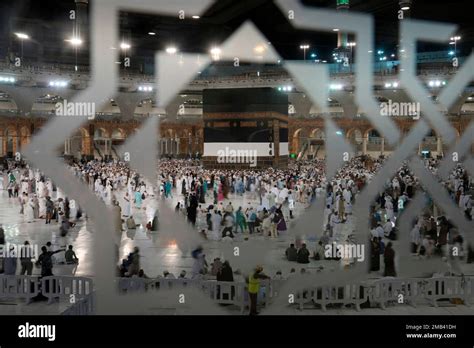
x,y
193,204
389,261
374,255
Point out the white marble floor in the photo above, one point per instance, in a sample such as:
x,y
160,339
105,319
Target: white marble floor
x,y
159,254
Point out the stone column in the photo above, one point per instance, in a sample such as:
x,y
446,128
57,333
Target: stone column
x,y
65,148
364,145
382,146
17,142
276,142
439,146
177,146
419,148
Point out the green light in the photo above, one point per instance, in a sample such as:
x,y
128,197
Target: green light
x,y
342,2
292,155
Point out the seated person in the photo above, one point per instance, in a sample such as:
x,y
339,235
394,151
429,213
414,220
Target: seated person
x,y
319,252
303,254
228,238
141,274
168,275
123,269
291,253
131,223
70,256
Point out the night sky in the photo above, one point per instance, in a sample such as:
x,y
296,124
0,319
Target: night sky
x,y
222,18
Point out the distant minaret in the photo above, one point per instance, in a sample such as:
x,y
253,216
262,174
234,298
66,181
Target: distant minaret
x,y
343,6
81,23
403,13
405,6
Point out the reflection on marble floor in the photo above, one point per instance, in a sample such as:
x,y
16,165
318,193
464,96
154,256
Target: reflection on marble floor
x,y
159,254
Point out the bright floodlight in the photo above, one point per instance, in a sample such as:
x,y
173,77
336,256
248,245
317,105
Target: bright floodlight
x,y
125,46
395,84
171,50
456,38
335,29
151,33
304,47
351,44
22,36
75,41
215,51
405,8
196,17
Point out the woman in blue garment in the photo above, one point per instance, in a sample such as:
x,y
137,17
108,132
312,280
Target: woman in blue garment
x,y
138,199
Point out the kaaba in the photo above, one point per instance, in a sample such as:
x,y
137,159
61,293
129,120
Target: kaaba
x,y
245,128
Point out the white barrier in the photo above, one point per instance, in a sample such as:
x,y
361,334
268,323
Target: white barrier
x,y
447,288
351,294
220,292
230,293
132,284
469,297
65,287
382,291
168,284
399,290
23,287
85,306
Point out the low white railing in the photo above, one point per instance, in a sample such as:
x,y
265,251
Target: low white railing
x,y
79,291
